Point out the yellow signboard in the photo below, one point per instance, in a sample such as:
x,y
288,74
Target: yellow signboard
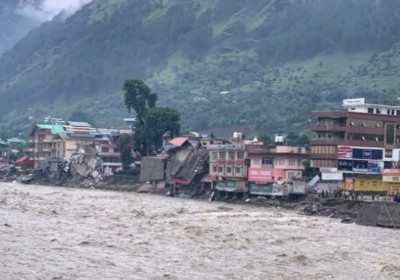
x,y
393,187
369,184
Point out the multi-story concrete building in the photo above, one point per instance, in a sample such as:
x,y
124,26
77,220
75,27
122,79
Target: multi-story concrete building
x,y
75,134
228,168
272,164
361,140
44,142
108,149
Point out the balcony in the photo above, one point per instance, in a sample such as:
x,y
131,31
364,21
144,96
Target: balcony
x,y
329,114
328,127
323,156
344,142
350,129
263,150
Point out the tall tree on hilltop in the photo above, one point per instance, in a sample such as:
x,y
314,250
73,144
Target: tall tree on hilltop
x,y
153,121
138,97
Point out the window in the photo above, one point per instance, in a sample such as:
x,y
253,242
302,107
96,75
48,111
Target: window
x,y
279,161
211,142
292,162
370,110
390,134
267,160
221,155
238,170
256,161
231,155
240,155
215,155
229,170
116,150
299,162
220,170
388,153
214,169
398,112
105,150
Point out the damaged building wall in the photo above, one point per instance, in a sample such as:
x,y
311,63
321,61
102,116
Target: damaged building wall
x,y
86,162
152,169
187,165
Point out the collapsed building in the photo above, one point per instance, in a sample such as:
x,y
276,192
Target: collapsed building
x,y
182,166
84,165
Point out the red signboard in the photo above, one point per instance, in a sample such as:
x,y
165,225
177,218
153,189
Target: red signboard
x,y
344,152
265,174
391,172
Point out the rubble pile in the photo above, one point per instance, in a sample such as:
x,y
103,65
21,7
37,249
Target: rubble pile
x,y
11,173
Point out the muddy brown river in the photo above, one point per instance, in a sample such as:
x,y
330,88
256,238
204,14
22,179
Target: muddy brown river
x,y
57,233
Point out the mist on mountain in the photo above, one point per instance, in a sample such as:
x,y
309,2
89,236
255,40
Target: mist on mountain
x,y
46,9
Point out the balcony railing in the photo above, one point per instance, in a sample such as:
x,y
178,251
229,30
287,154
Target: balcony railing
x,y
346,142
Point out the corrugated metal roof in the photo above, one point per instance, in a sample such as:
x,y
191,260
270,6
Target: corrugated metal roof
x,y
129,119
55,129
15,140
178,141
81,124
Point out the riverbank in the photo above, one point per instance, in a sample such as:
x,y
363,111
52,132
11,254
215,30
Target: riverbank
x,y
380,214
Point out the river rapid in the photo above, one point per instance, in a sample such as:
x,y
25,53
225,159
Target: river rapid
x,y
59,233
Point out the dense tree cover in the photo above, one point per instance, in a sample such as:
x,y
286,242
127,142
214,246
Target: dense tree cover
x,y
190,51
80,116
124,145
152,122
326,26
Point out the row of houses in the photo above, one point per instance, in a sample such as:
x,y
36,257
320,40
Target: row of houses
x,y
62,139
232,166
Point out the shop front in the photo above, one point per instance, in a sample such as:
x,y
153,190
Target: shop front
x,y
232,186
391,178
270,189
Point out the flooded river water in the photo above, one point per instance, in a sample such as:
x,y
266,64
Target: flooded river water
x,y
57,233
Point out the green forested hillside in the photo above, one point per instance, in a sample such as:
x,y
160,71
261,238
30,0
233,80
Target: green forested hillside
x,y
279,60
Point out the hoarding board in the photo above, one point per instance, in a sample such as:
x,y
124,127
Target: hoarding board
x,y
375,167
338,176
265,174
391,175
349,184
360,166
391,172
345,165
359,153
268,189
369,184
353,101
344,152
391,179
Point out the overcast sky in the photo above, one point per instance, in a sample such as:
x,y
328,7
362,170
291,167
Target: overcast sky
x,y
50,8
